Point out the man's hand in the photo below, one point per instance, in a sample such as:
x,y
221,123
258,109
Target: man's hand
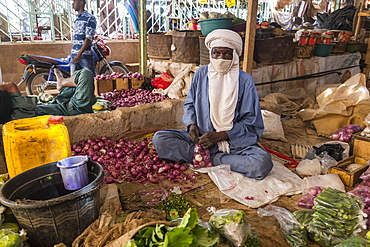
x,y
194,133
77,58
210,138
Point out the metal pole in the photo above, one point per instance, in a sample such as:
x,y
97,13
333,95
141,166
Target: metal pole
x,y
337,4
142,37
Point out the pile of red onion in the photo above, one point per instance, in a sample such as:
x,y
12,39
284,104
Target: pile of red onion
x,y
132,161
132,97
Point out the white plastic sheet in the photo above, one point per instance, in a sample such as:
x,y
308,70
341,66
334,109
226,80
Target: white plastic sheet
x,y
251,192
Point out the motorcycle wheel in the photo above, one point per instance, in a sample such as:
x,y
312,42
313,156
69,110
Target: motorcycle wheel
x,y
116,68
36,83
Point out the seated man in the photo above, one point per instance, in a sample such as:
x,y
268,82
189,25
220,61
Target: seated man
x,y
76,97
221,112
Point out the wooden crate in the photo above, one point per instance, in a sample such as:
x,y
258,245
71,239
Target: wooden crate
x,y
360,146
136,83
104,86
350,178
360,150
122,83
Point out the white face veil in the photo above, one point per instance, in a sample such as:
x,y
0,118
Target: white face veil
x,y
223,80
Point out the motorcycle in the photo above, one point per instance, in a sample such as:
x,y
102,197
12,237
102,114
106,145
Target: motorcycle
x,y
37,69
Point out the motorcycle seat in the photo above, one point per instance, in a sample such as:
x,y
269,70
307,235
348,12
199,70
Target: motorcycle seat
x,y
52,60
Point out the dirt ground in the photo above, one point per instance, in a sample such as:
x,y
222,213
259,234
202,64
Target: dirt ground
x,y
205,194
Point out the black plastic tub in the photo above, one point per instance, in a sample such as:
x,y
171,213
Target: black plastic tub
x,y
46,210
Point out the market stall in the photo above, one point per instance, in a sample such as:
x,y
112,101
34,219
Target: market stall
x,y
314,196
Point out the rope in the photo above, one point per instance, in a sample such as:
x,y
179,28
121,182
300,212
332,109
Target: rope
x,y
328,72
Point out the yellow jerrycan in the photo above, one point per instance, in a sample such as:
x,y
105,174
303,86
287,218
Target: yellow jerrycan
x,y
32,142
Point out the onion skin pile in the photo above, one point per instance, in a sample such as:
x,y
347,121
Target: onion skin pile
x,y
132,161
132,97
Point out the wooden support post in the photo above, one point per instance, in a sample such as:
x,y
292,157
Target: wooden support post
x,y
367,62
250,34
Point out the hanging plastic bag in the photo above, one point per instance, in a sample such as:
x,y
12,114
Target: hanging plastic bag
x,y
295,234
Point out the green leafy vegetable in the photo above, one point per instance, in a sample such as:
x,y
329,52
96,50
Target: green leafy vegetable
x,y
187,234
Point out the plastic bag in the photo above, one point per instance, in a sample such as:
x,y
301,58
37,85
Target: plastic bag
x,y
326,162
362,192
304,216
308,167
345,133
338,216
338,152
295,234
366,131
325,181
366,175
355,241
202,157
307,200
163,81
273,126
231,224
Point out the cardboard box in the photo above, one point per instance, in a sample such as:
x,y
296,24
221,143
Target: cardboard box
x,y
104,86
360,149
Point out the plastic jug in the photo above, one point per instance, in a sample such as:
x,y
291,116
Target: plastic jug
x,y
36,141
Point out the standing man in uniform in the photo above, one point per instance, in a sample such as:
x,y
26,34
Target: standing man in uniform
x,y
83,35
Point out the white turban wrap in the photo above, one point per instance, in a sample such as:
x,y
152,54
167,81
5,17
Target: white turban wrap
x,y
223,87
222,37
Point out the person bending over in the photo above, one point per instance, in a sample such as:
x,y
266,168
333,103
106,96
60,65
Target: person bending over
x,y
221,112
76,97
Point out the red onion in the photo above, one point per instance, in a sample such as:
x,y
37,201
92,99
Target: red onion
x,y
132,161
132,97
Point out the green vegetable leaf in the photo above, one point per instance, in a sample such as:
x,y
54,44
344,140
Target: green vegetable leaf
x,y
178,237
204,237
130,243
190,219
159,229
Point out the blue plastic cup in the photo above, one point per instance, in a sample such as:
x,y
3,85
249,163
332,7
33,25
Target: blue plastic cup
x,y
74,172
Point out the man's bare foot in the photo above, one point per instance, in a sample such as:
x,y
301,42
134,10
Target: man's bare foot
x,y
60,78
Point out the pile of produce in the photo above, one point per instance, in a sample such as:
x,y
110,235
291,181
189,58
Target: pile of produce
x,y
362,192
188,233
175,206
344,134
233,225
101,105
304,216
295,233
116,75
338,216
10,233
132,97
132,161
202,157
307,200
